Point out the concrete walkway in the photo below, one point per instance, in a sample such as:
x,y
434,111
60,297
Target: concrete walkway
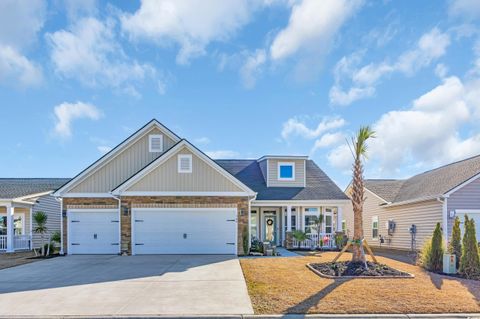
x,y
125,286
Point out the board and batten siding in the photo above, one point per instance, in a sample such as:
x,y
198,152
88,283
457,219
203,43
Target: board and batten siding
x,y
425,215
467,197
133,158
272,166
49,205
166,178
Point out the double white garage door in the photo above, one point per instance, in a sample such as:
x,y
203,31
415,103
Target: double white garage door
x,y
155,231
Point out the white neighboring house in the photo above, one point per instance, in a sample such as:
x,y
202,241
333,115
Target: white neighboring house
x,y
20,198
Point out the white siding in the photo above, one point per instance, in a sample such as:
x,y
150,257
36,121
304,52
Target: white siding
x,y
424,215
165,178
51,207
133,158
273,173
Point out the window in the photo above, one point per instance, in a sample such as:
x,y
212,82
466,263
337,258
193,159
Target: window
x,y
286,171
344,226
311,220
185,163
18,224
293,221
375,227
155,142
328,224
253,225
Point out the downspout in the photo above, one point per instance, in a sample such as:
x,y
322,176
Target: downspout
x,y
119,223
444,219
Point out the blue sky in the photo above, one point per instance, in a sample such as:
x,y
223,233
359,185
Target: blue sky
x,y
240,79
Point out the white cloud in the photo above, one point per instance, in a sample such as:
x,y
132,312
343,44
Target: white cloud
x,y
469,9
19,24
89,53
16,67
103,149
311,26
297,127
222,154
66,113
252,68
327,140
430,46
341,158
192,25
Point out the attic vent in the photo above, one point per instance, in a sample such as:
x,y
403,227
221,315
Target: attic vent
x,y
155,143
185,163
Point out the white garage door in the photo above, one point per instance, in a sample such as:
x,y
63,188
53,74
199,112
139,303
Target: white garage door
x,y
184,231
93,231
472,214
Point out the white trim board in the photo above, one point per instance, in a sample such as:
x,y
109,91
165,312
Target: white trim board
x,y
113,153
139,193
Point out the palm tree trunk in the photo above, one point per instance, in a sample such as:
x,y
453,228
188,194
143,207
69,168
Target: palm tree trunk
x,y
357,202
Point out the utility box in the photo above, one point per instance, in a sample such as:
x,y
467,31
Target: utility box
x,y
449,263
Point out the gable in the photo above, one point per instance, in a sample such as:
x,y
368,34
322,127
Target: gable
x,y
166,178
133,156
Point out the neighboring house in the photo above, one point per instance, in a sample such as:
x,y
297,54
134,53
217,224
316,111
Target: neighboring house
x,y
436,196
156,193
20,198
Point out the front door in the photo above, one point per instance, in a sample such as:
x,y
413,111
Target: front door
x,y
270,228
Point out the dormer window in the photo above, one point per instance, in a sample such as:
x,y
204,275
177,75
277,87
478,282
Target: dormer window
x,y
184,163
155,143
286,171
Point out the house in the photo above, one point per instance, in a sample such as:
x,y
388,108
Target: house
x,y
20,198
156,193
402,214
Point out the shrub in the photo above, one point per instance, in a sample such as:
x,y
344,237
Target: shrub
x,y
455,246
341,240
299,236
432,252
245,240
470,262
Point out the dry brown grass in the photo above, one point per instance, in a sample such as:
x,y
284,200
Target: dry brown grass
x,y
16,259
285,285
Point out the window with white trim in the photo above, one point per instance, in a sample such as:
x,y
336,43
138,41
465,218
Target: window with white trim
x,y
286,171
374,227
293,221
310,219
155,143
185,163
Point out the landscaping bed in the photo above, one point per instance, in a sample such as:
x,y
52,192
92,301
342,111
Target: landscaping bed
x,y
356,269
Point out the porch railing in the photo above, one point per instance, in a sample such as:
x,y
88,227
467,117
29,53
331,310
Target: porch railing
x,y
20,242
315,240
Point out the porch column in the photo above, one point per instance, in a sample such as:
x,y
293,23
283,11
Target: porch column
x,y
339,218
289,218
31,228
10,228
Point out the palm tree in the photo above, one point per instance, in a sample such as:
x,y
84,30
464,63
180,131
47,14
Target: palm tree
x,y
40,219
359,151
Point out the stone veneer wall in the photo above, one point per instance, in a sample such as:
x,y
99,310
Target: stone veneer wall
x,y
127,202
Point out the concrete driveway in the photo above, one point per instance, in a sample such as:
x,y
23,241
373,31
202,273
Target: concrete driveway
x,y
122,286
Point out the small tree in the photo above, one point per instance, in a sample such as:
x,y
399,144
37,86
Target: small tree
x,y
40,219
470,262
299,236
455,245
432,252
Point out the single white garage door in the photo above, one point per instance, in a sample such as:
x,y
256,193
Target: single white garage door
x,y
472,214
184,231
93,231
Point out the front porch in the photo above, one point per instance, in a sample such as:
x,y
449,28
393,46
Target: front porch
x,y
270,223
15,227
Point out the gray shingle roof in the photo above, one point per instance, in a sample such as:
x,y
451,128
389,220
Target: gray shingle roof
x,y
318,185
429,184
387,189
20,187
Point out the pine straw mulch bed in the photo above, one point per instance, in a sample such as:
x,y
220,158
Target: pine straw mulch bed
x,y
8,260
286,285
344,269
